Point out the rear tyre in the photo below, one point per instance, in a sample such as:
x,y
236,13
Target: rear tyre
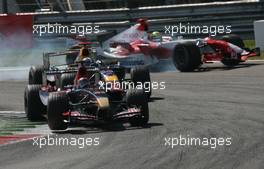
x,y
57,105
138,98
187,57
35,74
67,79
141,74
235,40
33,105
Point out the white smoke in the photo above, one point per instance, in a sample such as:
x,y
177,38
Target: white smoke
x,y
13,73
163,66
15,62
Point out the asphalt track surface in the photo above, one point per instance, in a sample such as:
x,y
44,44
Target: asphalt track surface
x,y
213,102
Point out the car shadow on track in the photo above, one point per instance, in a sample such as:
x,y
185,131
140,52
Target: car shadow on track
x,y
153,99
114,127
109,127
224,68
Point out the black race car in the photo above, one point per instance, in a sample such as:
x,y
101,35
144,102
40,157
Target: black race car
x,y
65,95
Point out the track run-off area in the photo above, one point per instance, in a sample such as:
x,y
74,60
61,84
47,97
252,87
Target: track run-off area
x,y
213,102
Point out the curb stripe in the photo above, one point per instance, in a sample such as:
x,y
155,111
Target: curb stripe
x,y
16,138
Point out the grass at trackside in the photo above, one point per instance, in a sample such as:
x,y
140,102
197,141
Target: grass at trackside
x,y
251,44
10,125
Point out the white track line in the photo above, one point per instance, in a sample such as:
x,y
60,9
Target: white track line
x,y
13,68
255,61
12,112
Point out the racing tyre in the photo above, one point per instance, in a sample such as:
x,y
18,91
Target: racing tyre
x,y
138,98
35,74
67,79
187,57
57,105
236,40
141,74
33,105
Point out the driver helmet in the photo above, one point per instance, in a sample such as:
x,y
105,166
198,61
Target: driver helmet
x,y
84,53
201,42
87,61
156,36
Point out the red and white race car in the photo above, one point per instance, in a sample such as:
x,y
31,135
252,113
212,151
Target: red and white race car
x,y
134,47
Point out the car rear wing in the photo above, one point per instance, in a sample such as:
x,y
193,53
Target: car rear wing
x,y
47,56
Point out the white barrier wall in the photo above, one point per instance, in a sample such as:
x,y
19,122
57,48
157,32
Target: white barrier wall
x,y
259,33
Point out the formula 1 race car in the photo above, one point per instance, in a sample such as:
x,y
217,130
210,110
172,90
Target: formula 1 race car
x,y
134,46
84,104
74,50
93,95
230,50
91,42
40,74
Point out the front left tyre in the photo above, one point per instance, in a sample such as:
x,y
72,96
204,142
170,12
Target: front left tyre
x,y
57,105
34,108
35,74
140,74
135,97
235,40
